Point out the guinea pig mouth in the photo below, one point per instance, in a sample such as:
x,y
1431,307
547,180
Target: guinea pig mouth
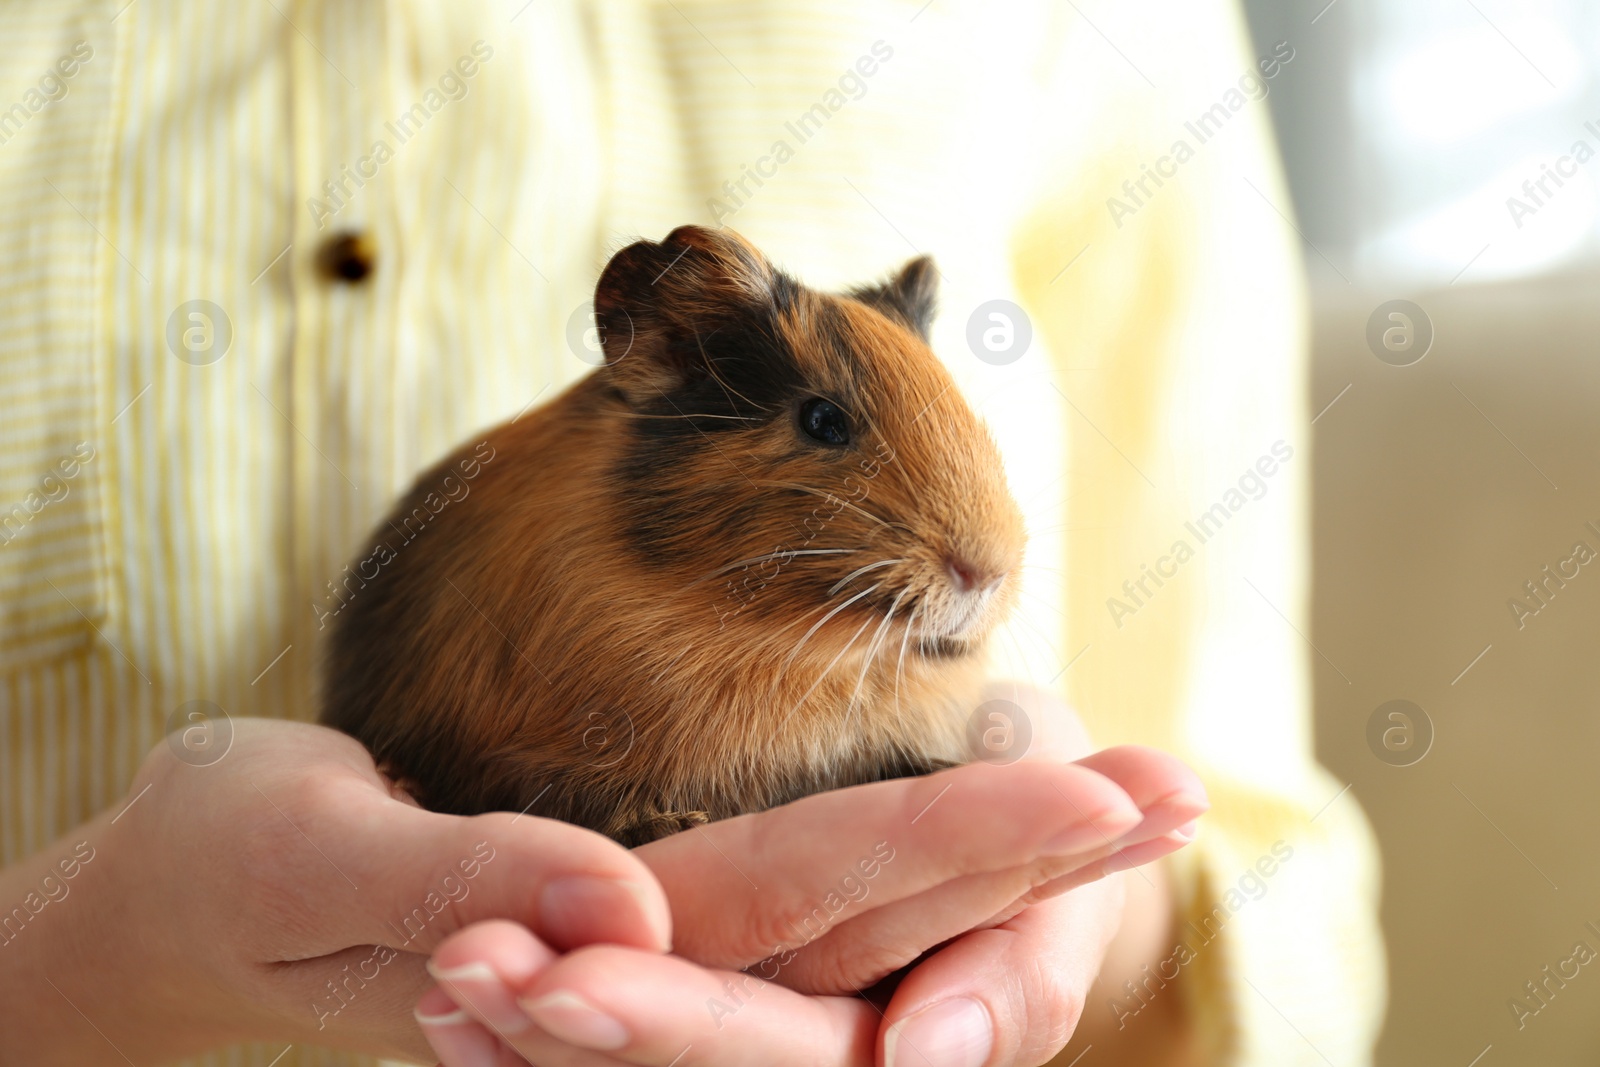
x,y
960,617
943,648
949,628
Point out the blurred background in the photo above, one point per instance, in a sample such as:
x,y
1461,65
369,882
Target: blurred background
x,y
1444,154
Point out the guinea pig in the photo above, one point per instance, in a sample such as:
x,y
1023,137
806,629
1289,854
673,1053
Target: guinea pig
x,y
754,555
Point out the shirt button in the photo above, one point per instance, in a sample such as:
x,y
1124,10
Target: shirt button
x,y
347,257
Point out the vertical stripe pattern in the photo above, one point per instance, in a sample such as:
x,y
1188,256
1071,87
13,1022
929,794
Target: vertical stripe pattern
x,y
198,427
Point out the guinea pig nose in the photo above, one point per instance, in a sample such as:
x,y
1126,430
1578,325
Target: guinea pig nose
x,y
964,576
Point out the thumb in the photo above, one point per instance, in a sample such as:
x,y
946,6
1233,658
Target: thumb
x,y
408,878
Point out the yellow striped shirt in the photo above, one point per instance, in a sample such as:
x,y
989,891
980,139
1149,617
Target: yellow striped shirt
x,y
198,425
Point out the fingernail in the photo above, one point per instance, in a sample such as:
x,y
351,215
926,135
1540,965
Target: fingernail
x,y
581,907
1188,831
449,1018
1158,823
459,1041
951,1033
485,992
568,1017
1096,831
1192,800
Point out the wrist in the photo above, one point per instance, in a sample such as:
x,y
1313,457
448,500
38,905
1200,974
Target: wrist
x,y
48,921
89,976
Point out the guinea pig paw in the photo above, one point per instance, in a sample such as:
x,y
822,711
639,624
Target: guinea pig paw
x,y
652,825
402,789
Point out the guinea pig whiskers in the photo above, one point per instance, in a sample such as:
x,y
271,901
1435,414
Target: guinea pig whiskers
x,y
800,620
873,647
825,672
827,495
900,666
846,580
780,554
820,623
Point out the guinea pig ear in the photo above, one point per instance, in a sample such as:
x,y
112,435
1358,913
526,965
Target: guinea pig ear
x,y
910,297
656,301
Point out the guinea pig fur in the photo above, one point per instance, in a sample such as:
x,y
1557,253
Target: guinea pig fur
x,y
755,555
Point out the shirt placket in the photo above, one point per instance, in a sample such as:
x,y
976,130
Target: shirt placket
x,y
346,265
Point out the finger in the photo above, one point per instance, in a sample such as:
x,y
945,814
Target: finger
x,y
1127,859
1170,822
1172,798
1011,994
480,970
457,1034
745,888
1146,852
865,946
461,1040
1157,782
480,966
662,1011
862,950
390,873
605,1005
358,999
457,1039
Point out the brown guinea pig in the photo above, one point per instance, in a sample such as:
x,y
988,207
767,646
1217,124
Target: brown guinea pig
x,y
753,556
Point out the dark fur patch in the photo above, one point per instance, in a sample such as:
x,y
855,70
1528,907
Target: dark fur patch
x,y
910,297
744,377
746,380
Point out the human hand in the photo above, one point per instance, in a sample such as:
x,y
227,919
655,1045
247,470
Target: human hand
x,y
979,858
244,900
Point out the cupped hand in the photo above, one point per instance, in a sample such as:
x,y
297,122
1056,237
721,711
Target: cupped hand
x,y
246,899
782,918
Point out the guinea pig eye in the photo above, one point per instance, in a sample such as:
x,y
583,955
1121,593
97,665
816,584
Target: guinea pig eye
x,y
823,421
